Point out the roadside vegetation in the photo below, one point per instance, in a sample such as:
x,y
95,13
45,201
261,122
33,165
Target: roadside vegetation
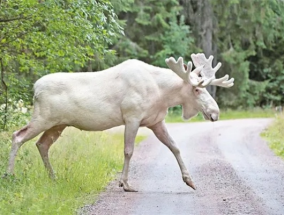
x,y
84,162
275,136
175,115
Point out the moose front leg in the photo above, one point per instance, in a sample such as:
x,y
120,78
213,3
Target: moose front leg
x,y
162,134
131,129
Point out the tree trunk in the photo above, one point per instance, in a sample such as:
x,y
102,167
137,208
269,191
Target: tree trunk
x,y
5,93
90,68
199,15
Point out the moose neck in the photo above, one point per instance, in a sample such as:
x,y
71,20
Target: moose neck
x,y
174,90
178,95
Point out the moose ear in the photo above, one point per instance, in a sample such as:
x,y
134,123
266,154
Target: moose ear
x,y
185,67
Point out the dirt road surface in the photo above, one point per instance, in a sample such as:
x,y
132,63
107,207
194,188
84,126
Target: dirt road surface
x,y
231,165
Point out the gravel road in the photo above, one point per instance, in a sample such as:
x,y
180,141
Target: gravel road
x,y
232,167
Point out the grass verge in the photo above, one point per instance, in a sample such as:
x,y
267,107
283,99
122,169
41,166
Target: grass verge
x,y
225,115
85,162
274,135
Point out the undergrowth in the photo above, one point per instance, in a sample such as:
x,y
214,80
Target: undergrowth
x,y
84,162
275,136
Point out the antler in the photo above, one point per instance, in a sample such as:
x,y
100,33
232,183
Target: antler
x,y
203,75
208,72
186,75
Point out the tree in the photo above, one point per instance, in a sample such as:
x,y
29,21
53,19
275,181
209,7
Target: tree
x,y
249,38
39,37
154,30
200,16
244,35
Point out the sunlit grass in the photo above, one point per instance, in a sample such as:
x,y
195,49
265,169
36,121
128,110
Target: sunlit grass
x,y
275,136
84,162
242,114
226,115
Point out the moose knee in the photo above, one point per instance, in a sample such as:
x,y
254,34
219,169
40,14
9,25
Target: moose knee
x,y
128,152
17,138
175,150
42,147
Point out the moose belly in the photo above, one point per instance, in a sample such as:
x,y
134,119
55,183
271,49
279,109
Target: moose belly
x,y
86,117
94,122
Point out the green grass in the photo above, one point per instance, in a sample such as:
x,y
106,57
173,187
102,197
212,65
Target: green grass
x,y
139,138
225,115
85,162
274,135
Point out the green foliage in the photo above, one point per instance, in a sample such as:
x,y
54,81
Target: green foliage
x,y
274,135
175,42
249,36
154,30
84,162
234,61
19,88
16,114
54,35
122,5
41,37
18,107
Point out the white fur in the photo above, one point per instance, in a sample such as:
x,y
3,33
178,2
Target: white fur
x,y
132,90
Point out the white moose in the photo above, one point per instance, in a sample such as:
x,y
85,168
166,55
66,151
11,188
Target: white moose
x,y
132,93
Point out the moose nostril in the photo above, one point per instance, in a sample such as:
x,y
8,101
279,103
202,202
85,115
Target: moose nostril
x,y
214,117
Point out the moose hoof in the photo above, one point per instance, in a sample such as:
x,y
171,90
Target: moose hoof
x,y
5,175
126,187
52,177
8,176
189,182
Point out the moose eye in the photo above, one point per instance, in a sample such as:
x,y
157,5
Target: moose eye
x,y
196,90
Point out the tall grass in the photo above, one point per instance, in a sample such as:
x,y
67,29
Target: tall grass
x,y
275,136
84,162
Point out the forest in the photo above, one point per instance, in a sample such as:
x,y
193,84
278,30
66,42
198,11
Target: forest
x,y
41,37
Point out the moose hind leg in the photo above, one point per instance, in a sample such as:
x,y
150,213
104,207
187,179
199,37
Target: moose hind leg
x,y
19,138
44,143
